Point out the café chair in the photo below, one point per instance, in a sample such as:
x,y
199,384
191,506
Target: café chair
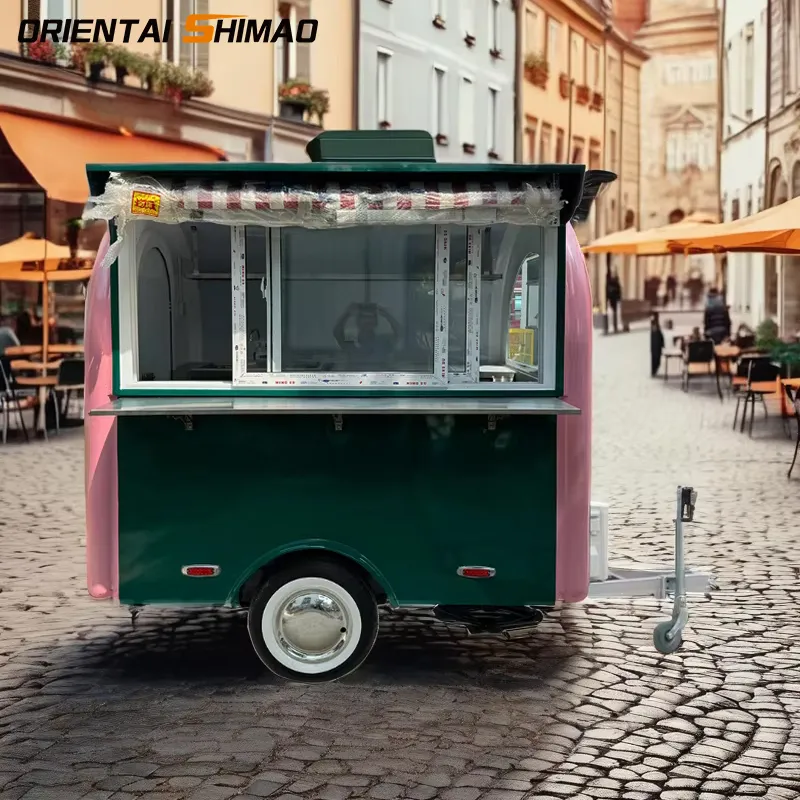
x,y
793,396
700,354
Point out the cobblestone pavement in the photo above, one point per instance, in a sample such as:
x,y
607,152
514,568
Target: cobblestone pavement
x,y
584,708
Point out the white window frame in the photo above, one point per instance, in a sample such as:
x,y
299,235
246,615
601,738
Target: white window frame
x,y
439,101
442,377
467,84
384,56
494,26
493,120
468,17
553,36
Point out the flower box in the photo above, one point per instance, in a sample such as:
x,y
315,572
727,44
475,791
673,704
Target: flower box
x,y
495,53
438,22
469,40
582,95
493,155
597,101
385,125
441,139
468,148
537,76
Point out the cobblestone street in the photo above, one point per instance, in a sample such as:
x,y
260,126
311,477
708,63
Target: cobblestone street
x,y
585,708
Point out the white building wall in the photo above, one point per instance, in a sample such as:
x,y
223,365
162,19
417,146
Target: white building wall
x,y
421,76
743,160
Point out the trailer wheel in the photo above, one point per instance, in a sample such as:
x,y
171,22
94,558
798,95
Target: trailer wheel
x,y
663,644
313,622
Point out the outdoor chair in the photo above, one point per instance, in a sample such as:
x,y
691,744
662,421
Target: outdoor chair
x,y
14,400
793,396
699,359
676,352
70,379
762,380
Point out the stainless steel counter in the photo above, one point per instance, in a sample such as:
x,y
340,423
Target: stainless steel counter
x,y
190,406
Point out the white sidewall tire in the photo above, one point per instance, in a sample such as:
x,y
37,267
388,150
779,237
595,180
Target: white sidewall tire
x,y
328,575
311,584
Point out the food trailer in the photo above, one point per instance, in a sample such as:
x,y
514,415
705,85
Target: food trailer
x,y
301,399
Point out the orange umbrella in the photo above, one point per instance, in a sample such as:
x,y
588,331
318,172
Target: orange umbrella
x,y
774,230
653,242
37,261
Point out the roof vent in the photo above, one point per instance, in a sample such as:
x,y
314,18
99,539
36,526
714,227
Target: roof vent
x,y
343,146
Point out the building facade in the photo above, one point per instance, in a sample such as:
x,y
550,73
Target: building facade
x,y
679,112
744,144
782,274
580,104
445,66
51,101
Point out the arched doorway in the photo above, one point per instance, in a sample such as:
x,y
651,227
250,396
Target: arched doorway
x,y
154,317
775,196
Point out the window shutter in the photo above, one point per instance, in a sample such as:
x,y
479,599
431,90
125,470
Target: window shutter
x,y
202,50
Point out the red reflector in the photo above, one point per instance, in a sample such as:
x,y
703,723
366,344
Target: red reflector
x,y
200,572
476,572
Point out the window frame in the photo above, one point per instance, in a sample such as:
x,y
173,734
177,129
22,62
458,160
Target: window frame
x,y
467,120
439,101
384,56
124,281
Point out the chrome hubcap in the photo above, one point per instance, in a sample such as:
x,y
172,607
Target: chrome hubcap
x,y
312,626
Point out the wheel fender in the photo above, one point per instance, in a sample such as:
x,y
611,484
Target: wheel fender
x,y
324,545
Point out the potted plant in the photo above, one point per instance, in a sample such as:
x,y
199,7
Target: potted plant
x,y
563,85
173,82
582,94
438,22
62,55
441,139
597,101
384,125
537,70
121,59
146,69
198,85
73,230
469,40
96,58
493,154
320,104
295,98
77,61
43,52
495,52
468,148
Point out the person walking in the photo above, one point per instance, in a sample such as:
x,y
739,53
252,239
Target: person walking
x,y
613,295
656,345
716,318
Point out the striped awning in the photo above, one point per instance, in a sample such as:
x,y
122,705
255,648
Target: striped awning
x,y
332,206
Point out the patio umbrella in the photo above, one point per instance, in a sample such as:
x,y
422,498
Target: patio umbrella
x,y
37,261
653,242
775,230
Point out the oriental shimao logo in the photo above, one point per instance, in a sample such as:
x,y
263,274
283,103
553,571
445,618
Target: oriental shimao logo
x,y
197,29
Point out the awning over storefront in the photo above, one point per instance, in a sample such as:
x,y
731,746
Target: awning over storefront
x,y
56,150
774,230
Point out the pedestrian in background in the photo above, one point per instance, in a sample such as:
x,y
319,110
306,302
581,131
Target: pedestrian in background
x,y
613,295
656,345
716,318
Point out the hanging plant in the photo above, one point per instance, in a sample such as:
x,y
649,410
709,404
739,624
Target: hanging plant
x,y
77,59
320,104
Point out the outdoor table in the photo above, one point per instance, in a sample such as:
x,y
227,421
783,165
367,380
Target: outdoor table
x,y
23,350
43,383
65,349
